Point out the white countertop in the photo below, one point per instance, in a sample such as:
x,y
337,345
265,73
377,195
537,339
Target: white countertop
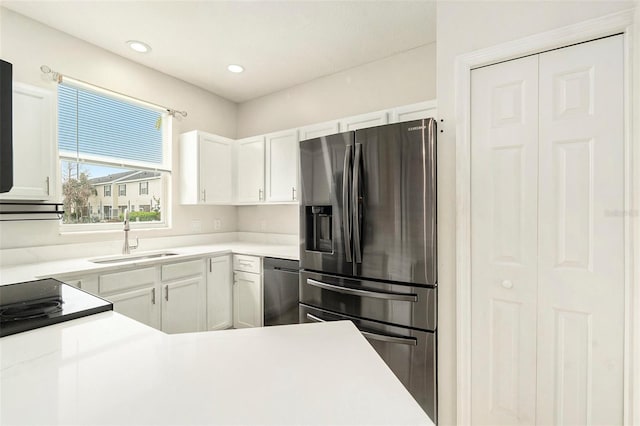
x,y
109,369
26,272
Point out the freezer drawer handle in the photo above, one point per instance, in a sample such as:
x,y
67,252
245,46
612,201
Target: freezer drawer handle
x,y
376,336
365,293
390,339
315,318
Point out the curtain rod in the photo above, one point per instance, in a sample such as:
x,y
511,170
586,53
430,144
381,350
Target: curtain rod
x,y
58,77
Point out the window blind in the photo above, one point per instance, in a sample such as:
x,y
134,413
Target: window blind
x,y
91,124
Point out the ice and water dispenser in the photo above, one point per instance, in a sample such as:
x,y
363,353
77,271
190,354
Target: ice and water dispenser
x,y
319,229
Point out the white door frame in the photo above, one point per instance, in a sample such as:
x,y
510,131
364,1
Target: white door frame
x,y
621,22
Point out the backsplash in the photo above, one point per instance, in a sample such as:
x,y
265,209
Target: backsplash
x,y
275,219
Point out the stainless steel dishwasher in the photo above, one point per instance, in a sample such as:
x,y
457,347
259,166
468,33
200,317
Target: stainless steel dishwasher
x,y
281,292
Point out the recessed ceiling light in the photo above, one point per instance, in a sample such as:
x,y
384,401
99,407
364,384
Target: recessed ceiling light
x,y
139,46
235,68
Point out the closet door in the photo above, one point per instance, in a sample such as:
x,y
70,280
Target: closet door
x,y
504,183
581,275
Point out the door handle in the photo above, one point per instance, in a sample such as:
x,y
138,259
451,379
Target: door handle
x,y
346,211
412,341
355,203
401,297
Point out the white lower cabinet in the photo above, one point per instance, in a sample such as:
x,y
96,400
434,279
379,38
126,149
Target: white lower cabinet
x,y
219,293
133,293
247,291
212,293
183,297
140,305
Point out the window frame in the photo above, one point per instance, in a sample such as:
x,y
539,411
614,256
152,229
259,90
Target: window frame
x,y
164,169
146,188
107,189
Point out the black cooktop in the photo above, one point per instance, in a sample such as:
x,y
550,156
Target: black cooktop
x,y
34,304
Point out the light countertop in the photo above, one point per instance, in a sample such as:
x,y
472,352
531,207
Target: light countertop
x,y
26,272
109,369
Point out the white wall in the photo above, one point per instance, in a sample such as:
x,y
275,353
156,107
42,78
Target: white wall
x,y
28,45
401,79
465,27
276,219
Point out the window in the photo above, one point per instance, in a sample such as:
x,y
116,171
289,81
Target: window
x,y
143,188
106,139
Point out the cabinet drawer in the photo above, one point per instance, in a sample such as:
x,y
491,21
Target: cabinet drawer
x,y
111,283
181,270
245,263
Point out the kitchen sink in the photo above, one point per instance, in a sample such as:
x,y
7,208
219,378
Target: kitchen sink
x,y
132,257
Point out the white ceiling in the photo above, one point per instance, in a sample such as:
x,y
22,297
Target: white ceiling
x,y
280,43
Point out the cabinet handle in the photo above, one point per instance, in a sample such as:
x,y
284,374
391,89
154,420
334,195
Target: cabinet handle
x,y
80,284
153,296
260,194
166,293
210,267
293,193
204,195
47,181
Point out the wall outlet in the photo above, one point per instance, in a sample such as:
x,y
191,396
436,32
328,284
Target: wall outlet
x,y
217,224
196,226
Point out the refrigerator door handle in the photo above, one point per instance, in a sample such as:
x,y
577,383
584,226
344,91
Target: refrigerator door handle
x,y
355,204
346,210
401,297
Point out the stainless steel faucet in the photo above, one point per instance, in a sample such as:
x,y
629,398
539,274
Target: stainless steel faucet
x,y
126,248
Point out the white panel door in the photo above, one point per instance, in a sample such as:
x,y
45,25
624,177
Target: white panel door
x,y
282,166
215,169
250,170
581,270
504,104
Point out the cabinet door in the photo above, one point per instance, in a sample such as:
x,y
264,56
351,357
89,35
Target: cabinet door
x,y
141,305
182,307
282,166
33,144
215,161
250,170
219,293
319,130
247,300
417,111
372,119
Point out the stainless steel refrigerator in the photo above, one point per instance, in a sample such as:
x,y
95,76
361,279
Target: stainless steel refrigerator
x,y
368,243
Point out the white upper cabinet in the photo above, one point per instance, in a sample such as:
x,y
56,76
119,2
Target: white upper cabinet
x,y
362,121
205,168
250,170
33,144
281,166
419,111
319,130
